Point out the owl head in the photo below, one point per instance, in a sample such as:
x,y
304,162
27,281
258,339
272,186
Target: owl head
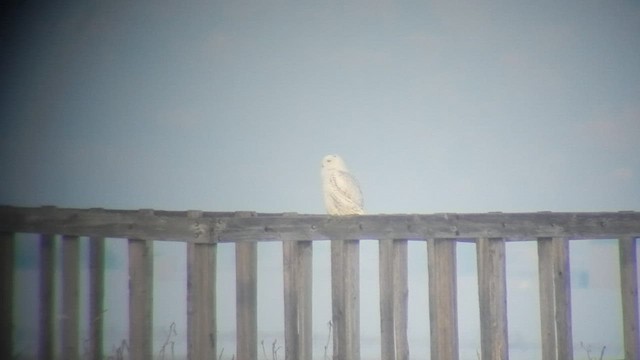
x,y
333,162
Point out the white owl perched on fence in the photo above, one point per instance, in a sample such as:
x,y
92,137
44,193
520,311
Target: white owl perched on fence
x,y
342,195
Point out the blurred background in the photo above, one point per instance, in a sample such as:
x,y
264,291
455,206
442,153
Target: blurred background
x,y
436,106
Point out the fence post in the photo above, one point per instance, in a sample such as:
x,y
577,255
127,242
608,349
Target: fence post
x,y
492,290
443,298
400,298
547,302
70,297
297,266
201,301
629,288
345,294
7,256
96,296
140,298
562,291
387,336
46,308
246,300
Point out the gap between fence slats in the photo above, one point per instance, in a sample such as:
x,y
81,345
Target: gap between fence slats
x,y
562,291
140,298
7,256
297,273
629,288
246,301
492,289
46,308
96,296
443,302
547,302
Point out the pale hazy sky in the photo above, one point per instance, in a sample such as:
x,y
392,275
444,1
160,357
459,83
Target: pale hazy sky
x,y
437,106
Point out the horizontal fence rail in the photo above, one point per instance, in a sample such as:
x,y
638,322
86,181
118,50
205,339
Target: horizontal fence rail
x,y
202,231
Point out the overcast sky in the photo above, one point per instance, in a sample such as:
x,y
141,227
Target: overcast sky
x,y
436,106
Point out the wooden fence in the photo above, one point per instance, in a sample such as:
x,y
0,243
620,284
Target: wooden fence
x,y
203,230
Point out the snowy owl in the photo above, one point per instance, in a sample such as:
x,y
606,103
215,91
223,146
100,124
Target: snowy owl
x,y
342,195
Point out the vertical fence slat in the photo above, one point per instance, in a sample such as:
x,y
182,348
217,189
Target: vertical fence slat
x,y
291,335
298,277
387,336
70,297
246,300
7,249
492,289
547,303
345,286
140,298
201,281
401,298
96,296
46,308
352,298
629,288
305,298
443,302
562,290
337,298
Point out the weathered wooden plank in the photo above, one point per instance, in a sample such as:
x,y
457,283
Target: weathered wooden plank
x,y
7,256
345,293
337,299
70,317
246,301
387,332
443,300
629,288
224,226
521,226
547,302
96,297
562,290
492,289
352,299
140,298
128,224
46,303
201,282
291,334
304,284
297,263
400,298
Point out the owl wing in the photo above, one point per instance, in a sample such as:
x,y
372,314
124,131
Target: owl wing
x,y
346,189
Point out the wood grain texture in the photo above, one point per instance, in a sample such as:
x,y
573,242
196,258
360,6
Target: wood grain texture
x,y
629,288
140,298
385,269
96,297
443,299
246,301
297,272
400,299
201,308
547,298
562,290
46,308
70,318
492,288
228,227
